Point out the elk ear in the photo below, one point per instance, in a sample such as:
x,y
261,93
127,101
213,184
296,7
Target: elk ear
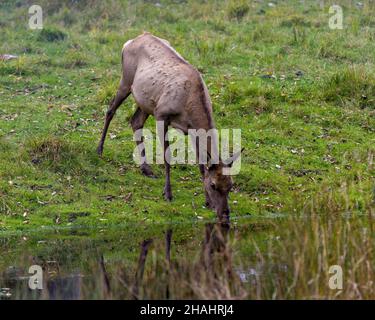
x,y
210,165
229,162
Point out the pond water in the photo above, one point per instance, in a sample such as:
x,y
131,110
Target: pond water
x,y
250,259
90,263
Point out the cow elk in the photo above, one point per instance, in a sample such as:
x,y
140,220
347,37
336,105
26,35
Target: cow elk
x,y
166,86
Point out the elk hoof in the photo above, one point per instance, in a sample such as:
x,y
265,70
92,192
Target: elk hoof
x,y
168,198
167,194
146,171
100,151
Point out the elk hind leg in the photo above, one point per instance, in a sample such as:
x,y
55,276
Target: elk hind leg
x,y
122,93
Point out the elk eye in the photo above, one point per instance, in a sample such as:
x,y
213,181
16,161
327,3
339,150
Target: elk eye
x,y
213,185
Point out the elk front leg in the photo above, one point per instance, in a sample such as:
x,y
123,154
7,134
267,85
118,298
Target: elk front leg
x,y
137,122
163,136
202,169
121,95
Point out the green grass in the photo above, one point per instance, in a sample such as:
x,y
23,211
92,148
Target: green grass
x,y
309,136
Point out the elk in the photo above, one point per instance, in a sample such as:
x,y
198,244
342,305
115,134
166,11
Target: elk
x,y
166,86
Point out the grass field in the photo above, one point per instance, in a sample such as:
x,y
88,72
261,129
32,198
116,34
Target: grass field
x,y
302,93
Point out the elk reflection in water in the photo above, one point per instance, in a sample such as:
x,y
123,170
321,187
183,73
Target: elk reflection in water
x,y
207,273
263,259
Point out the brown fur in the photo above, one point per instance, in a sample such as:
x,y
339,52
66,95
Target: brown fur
x,y
166,86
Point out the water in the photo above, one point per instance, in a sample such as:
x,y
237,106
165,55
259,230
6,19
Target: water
x,y
253,259
76,263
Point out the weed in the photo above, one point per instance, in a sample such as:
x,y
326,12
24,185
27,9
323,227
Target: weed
x,y
237,9
51,35
353,85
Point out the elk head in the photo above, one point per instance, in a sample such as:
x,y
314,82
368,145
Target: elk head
x,y
218,185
